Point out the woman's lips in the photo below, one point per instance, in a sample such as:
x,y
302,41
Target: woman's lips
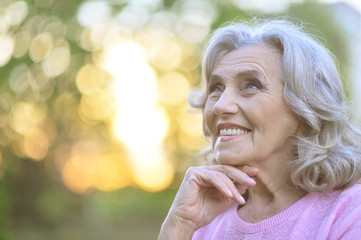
x,y
231,137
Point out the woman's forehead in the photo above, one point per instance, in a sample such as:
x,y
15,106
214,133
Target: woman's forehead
x,y
252,60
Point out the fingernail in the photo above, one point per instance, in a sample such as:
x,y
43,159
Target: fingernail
x,y
256,169
230,194
251,180
241,199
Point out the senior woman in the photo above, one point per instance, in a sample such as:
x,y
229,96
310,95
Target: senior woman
x,y
288,157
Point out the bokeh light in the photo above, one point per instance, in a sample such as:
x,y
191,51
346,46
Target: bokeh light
x,y
36,144
41,46
174,88
166,60
91,13
19,80
6,49
92,79
89,166
24,117
139,122
16,12
57,61
22,40
152,171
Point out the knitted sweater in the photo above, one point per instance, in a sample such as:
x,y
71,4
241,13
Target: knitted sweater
x,y
334,215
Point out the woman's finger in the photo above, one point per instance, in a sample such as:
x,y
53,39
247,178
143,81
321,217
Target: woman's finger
x,y
238,176
250,171
209,178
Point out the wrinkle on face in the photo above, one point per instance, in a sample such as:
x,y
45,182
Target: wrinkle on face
x,y
263,110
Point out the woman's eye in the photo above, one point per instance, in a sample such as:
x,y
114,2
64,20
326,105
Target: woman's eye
x,y
215,88
253,85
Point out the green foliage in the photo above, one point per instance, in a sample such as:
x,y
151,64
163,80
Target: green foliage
x,y
5,219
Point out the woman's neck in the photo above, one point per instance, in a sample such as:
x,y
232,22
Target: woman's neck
x,y
273,193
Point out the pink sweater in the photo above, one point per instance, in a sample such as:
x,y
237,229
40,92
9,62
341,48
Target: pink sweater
x,y
334,215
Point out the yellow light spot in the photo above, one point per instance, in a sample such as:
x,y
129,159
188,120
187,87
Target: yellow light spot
x,y
90,79
79,168
191,137
41,46
140,123
75,178
152,172
25,116
191,144
174,88
66,107
97,106
166,55
190,122
36,144
88,166
150,36
57,61
191,57
6,49
142,132
111,173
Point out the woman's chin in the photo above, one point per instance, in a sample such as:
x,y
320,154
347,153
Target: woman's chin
x,y
228,159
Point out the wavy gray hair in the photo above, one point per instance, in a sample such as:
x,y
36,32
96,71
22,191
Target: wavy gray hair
x,y
328,155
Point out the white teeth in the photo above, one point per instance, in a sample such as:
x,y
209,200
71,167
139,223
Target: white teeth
x,y
230,132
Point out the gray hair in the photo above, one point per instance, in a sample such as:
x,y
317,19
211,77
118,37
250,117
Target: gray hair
x,y
327,156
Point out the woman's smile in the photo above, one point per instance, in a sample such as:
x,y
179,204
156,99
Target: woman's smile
x,y
231,131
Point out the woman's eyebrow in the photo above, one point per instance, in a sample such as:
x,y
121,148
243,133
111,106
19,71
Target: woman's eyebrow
x,y
250,73
214,77
242,74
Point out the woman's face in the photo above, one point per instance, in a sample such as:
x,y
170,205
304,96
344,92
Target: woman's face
x,y
245,112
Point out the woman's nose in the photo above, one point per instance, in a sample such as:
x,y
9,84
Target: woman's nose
x,y
226,104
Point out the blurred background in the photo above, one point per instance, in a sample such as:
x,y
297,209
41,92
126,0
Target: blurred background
x,y
95,129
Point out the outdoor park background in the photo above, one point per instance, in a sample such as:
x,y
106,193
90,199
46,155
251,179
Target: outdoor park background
x,y
95,130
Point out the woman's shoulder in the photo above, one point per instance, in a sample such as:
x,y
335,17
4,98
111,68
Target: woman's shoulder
x,y
343,204
345,213
348,197
351,193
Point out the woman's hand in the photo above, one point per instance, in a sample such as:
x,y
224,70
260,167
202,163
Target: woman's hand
x,y
204,194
